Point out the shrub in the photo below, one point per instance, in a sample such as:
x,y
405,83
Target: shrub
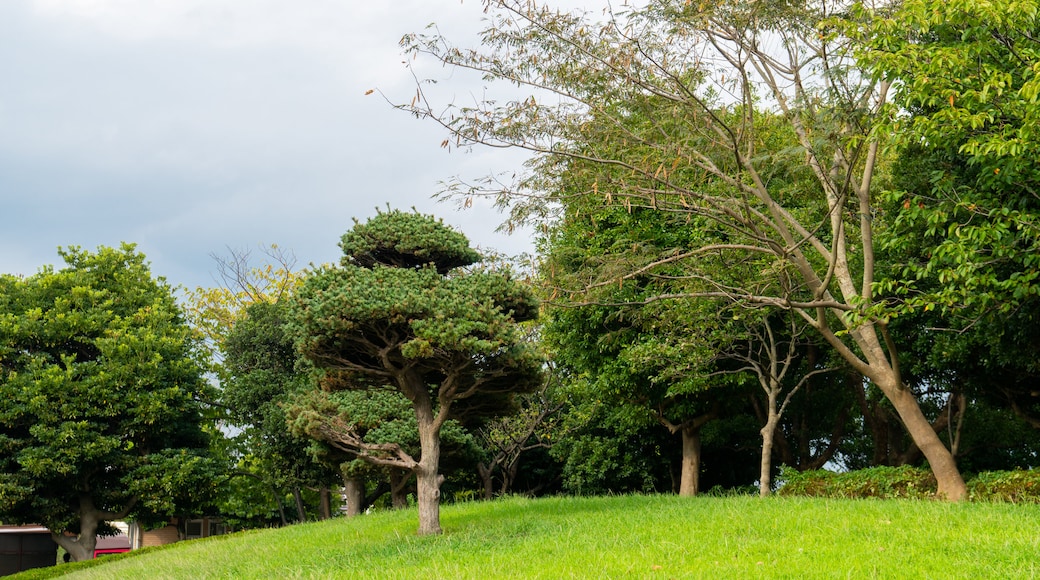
x,y
875,482
1018,486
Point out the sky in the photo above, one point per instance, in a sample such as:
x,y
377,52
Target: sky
x,y
197,127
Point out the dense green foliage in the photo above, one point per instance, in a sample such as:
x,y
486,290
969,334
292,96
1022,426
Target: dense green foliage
x,y
625,537
261,379
405,316
101,386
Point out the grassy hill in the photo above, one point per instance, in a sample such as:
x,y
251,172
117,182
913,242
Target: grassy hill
x,y
623,537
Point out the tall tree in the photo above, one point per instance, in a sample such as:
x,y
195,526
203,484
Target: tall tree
x,y
745,95
967,194
101,382
401,313
261,379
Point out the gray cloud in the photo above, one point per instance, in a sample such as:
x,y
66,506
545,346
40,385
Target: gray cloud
x,y
190,126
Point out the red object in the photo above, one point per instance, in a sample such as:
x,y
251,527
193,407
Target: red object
x,y
116,544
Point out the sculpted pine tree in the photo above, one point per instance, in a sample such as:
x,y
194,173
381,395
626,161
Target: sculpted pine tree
x,y
402,312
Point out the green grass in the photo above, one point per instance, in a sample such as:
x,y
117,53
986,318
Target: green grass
x,y
626,537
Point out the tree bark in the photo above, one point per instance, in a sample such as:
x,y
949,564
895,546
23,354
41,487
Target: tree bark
x,y
944,466
398,486
427,479
81,547
324,503
301,512
690,474
428,483
486,480
354,494
765,477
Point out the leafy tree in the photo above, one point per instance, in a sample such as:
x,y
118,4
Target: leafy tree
x,y
966,203
101,383
399,313
262,378
742,100
966,108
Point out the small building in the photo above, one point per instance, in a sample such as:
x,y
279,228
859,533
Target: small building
x,y
178,529
26,547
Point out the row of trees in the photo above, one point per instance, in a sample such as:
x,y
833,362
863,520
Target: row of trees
x,y
401,347
771,232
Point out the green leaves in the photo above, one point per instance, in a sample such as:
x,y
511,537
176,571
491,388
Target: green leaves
x,y
97,371
967,79
400,301
403,240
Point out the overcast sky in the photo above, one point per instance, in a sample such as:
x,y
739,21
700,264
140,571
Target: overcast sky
x,y
191,126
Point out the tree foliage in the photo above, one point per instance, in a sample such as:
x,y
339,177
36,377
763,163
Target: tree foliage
x,y
400,313
966,108
753,117
101,382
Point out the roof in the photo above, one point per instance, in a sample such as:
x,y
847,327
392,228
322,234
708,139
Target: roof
x,y
24,530
116,542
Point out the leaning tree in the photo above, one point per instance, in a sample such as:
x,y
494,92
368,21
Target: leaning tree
x,y
404,311
755,117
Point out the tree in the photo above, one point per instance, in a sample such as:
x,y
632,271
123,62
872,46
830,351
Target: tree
x,y
966,197
400,313
261,379
965,113
770,353
101,382
751,97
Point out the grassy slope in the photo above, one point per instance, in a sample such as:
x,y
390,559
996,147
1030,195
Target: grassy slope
x,y
627,537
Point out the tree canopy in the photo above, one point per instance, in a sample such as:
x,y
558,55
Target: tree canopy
x,y
101,384
401,313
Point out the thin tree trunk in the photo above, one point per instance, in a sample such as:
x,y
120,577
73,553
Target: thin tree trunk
x,y
765,477
301,512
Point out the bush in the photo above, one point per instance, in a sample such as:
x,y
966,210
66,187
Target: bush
x,y
1018,486
875,482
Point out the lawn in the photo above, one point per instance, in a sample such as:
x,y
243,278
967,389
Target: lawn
x,y
626,537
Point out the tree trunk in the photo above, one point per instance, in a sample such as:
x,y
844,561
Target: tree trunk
x,y
944,466
427,479
354,495
486,480
428,483
690,473
765,477
884,373
81,547
324,504
398,485
301,512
